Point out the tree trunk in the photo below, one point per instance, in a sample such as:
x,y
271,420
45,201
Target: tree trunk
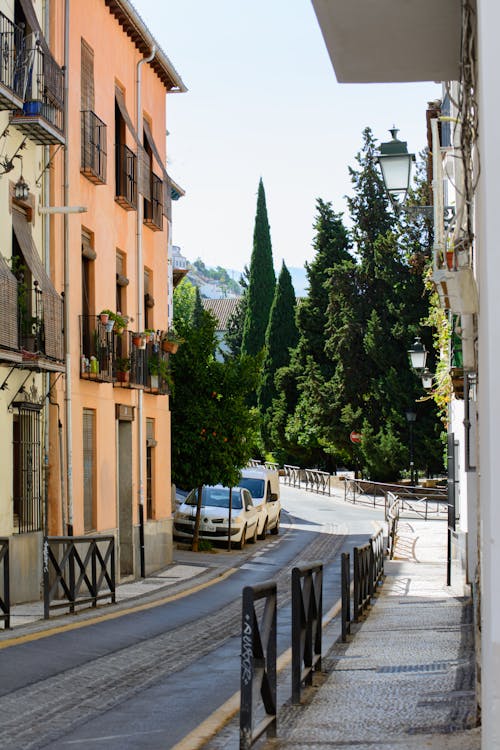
x,y
196,532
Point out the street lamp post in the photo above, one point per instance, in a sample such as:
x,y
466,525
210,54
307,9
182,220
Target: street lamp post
x,y
411,417
395,165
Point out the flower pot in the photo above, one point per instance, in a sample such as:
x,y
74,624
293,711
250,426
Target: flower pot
x,y
121,376
169,346
137,340
104,317
110,324
33,107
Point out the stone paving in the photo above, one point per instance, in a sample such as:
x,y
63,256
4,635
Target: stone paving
x,y
405,678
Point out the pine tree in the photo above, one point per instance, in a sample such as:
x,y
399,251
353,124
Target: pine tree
x,y
296,424
281,338
262,281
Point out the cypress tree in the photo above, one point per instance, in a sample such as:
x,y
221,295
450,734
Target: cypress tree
x,y
261,283
281,338
236,321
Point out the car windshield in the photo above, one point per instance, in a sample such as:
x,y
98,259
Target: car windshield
x,y
256,486
215,497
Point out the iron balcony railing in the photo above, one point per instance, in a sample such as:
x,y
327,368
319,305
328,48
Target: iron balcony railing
x,y
97,349
11,64
153,209
128,360
147,363
94,154
126,177
42,114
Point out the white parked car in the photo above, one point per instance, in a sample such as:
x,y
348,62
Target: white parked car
x,y
214,518
265,488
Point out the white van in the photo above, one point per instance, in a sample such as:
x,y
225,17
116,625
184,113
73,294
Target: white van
x,y
265,489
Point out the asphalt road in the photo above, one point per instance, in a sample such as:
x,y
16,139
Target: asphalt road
x,y
146,679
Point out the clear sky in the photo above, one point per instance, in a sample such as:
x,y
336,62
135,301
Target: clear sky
x,y
263,101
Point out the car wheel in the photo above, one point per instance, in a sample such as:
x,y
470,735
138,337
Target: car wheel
x,y
276,528
241,543
263,533
254,538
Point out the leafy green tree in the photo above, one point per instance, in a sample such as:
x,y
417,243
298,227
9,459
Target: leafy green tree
x,y
213,429
261,283
281,338
184,300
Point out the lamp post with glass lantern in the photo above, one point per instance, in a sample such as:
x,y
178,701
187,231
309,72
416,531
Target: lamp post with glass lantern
x,y
395,165
410,418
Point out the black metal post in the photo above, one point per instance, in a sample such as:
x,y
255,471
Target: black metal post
x,y
141,540
411,455
345,567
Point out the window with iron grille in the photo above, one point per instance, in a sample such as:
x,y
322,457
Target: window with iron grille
x,y
89,465
27,467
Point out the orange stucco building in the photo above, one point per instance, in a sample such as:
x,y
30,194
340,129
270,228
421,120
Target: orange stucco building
x,y
113,256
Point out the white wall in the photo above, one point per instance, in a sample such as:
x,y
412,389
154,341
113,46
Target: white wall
x,y
489,364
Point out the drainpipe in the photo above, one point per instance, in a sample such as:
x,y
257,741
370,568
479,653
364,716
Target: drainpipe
x,y
140,307
46,246
67,319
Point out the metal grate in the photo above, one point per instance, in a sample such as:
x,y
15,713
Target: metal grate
x,y
27,468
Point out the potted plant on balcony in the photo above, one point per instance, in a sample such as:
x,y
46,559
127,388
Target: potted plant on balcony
x,y
170,341
122,366
159,370
139,339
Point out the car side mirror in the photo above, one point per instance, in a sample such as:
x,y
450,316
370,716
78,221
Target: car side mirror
x,y
274,497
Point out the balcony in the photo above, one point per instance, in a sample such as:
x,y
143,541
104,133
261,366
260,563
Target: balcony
x,y
146,367
126,178
97,349
94,155
31,325
128,360
153,209
41,118
11,67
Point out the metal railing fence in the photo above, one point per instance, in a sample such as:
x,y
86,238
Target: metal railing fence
x,y
422,501
361,580
345,584
77,571
291,475
317,481
392,516
258,663
5,597
307,612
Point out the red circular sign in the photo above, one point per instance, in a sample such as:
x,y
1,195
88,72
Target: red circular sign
x,y
355,437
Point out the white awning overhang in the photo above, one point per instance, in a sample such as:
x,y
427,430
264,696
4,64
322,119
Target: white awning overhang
x,y
384,41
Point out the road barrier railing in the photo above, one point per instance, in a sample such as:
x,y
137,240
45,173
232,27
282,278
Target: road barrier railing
x,y
291,475
258,663
367,576
392,517
307,613
423,502
77,571
5,578
361,580
345,583
271,465
377,560
317,481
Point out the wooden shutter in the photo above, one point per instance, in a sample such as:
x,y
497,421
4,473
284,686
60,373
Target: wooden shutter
x,y
87,78
88,468
8,306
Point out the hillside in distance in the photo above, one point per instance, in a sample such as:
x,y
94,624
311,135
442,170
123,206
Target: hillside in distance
x,y
216,282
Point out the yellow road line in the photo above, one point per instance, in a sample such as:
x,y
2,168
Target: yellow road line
x,y
16,641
